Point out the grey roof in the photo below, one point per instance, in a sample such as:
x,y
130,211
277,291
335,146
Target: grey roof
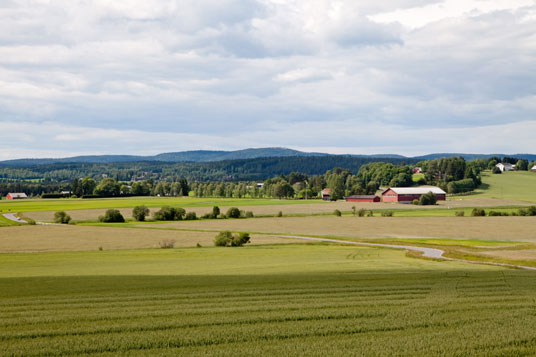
x,y
361,196
416,190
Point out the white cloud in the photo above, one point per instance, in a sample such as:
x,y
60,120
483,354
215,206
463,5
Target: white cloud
x,y
255,71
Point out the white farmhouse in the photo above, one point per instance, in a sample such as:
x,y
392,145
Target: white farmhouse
x,y
505,166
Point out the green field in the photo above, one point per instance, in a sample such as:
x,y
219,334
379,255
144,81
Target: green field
x,y
151,202
513,185
266,300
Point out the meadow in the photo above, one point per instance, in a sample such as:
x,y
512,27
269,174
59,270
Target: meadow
x,y
264,300
512,185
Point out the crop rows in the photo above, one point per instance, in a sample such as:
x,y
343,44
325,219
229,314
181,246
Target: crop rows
x,y
489,312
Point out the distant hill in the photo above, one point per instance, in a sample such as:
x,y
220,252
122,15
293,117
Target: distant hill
x,y
217,155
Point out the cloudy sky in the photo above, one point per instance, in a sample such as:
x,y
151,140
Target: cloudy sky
x,y
144,77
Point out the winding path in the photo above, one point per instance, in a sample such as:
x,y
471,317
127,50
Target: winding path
x,y
13,217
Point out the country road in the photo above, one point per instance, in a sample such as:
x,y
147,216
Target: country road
x,y
13,217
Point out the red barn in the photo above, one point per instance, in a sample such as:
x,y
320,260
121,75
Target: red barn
x,y
16,196
362,198
408,194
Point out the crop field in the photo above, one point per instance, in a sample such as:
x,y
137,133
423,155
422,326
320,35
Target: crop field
x,y
480,228
513,185
269,300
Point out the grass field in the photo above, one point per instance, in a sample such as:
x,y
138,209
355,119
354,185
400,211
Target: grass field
x,y
271,300
513,185
105,203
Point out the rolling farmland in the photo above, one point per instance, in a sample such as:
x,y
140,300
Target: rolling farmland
x,y
277,300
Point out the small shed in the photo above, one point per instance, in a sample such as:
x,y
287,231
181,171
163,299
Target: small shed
x,y
362,198
505,166
533,169
326,194
16,196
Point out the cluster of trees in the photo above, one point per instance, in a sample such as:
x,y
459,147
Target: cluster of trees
x,y
109,187
454,174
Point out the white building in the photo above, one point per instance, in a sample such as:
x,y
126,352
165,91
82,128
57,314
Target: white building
x,y
505,166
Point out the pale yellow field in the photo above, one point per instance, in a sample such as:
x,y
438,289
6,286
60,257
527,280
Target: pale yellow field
x,y
73,238
483,228
327,207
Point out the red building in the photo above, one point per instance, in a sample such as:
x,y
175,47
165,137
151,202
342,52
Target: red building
x,y
16,196
408,194
362,198
326,194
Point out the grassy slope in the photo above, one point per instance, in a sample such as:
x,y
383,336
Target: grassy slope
x,y
514,185
313,300
103,203
4,222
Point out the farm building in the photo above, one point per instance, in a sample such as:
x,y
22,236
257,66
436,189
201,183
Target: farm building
x,y
326,194
362,198
16,196
533,168
417,170
408,194
505,166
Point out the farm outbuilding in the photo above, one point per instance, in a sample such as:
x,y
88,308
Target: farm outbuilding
x,y
408,194
362,198
16,196
505,166
326,194
533,169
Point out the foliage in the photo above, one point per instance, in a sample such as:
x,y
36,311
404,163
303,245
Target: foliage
x,y
190,216
108,187
227,239
459,186
496,170
62,217
140,212
530,211
387,213
168,213
233,212
361,212
337,213
478,212
112,216
249,214
460,213
428,199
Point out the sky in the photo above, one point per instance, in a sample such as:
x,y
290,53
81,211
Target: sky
x,y
408,77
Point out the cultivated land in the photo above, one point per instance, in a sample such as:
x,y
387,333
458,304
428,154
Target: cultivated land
x,y
271,300
512,185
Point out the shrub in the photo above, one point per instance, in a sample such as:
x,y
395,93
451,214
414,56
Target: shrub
x,y
167,243
370,214
460,213
478,212
496,170
222,216
167,213
223,239
387,213
249,214
112,216
530,211
190,216
233,212
215,211
428,199
337,213
497,213
464,185
280,214
227,239
139,213
361,212
61,217
31,222
415,202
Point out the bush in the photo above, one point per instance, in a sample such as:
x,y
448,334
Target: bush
x,y
460,213
227,239
496,170
428,199
459,186
478,212
61,217
215,211
497,213
31,222
190,216
223,239
139,213
112,216
167,213
370,214
361,212
167,243
387,213
415,202
530,211
337,213
233,212
280,214
249,214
